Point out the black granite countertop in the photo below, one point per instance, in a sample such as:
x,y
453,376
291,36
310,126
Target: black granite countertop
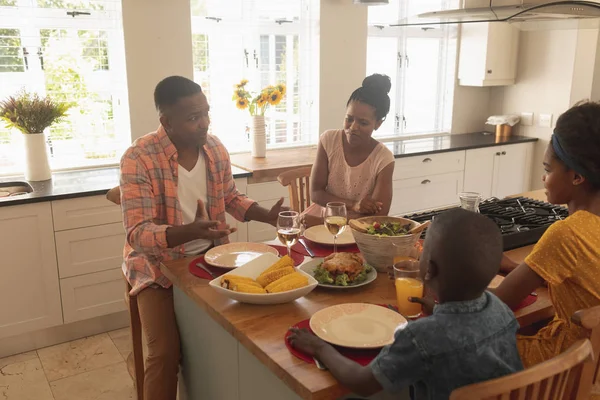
x,y
448,143
72,184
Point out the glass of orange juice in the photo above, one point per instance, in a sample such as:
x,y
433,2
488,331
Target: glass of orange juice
x,y
408,284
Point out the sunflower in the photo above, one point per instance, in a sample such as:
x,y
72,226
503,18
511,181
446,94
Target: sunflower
x,y
241,103
242,83
281,87
274,97
239,94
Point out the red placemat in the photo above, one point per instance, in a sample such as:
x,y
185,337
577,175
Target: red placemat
x,y
200,273
529,300
322,250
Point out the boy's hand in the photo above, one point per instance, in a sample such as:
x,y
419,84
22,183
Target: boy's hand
x,y
305,341
426,302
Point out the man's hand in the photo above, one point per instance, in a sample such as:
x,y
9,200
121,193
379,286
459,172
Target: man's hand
x,y
368,206
206,229
273,213
305,341
427,303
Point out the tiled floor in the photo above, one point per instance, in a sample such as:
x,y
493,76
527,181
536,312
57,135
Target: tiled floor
x,y
84,369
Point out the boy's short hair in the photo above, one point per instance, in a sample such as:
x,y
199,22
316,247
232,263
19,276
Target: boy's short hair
x,y
468,247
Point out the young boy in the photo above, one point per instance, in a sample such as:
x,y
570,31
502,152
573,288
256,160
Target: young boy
x,y
470,337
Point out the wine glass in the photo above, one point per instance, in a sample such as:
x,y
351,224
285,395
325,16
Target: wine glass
x,y
336,219
288,229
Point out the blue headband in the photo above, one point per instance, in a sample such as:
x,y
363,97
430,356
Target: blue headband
x,y
571,163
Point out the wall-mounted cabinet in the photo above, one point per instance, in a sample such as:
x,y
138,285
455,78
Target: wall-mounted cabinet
x,y
488,54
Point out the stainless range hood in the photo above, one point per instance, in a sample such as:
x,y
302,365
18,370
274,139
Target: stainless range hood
x,y
508,10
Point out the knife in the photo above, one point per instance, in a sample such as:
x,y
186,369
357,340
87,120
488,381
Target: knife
x,y
208,271
308,250
319,364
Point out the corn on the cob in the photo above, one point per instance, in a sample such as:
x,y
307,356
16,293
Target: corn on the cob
x,y
284,278
272,276
247,288
291,284
285,261
228,280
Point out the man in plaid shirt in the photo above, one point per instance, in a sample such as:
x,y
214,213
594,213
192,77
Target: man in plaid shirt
x,y
176,186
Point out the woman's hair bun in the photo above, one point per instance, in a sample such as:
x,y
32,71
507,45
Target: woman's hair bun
x,y
378,82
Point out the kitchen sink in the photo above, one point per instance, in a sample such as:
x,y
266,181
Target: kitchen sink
x,y
16,188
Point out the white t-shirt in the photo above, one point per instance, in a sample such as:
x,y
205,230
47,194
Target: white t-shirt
x,y
192,187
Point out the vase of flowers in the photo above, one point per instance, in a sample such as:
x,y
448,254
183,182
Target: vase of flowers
x,y
32,114
257,104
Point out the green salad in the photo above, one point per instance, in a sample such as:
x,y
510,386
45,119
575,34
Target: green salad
x,y
388,229
325,278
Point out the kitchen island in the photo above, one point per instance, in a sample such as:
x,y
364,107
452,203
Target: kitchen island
x,y
237,351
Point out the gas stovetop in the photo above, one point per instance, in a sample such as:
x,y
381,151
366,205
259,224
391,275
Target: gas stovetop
x,y
522,220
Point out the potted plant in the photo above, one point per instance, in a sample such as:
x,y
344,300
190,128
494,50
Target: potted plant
x,y
257,104
32,114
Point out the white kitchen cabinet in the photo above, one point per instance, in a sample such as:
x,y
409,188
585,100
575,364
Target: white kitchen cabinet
x,y
488,54
426,192
93,295
499,171
430,164
84,211
29,289
90,249
242,228
266,194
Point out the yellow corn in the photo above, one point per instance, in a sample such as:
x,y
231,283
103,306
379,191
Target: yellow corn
x,y
281,280
291,284
272,276
247,288
228,280
285,261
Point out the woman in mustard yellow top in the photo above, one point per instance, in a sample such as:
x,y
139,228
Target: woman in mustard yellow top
x,y
567,257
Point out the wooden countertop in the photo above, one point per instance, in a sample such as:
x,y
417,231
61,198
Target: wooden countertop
x,y
261,329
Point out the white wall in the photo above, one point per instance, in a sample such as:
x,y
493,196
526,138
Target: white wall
x,y
555,70
158,43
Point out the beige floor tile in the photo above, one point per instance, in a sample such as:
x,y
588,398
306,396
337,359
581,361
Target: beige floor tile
x,y
24,381
78,356
107,383
122,340
30,355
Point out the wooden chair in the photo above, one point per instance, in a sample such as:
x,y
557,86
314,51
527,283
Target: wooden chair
x,y
135,360
558,379
589,319
298,183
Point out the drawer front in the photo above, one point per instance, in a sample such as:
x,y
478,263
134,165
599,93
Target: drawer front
x,y
260,232
92,295
432,164
84,211
435,191
267,191
86,250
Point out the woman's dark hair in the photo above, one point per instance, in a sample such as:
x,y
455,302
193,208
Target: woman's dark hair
x,y
578,132
374,92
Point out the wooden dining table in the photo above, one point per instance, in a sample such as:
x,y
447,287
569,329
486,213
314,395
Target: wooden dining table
x,y
232,350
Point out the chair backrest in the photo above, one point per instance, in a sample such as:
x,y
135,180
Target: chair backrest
x,y
114,195
298,183
556,379
589,319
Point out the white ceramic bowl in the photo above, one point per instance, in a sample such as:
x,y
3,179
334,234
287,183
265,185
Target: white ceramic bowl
x,y
252,270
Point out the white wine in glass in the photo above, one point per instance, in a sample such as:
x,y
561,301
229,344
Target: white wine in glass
x,y
336,219
288,229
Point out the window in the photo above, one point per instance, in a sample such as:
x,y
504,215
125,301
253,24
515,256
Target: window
x,y
421,64
266,42
72,51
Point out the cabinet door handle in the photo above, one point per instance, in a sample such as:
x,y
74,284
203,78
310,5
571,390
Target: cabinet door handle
x,y
498,153
425,182
427,160
503,153
489,71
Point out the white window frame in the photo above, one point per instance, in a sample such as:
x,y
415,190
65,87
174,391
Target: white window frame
x,y
402,34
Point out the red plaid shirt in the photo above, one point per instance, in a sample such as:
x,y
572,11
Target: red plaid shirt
x,y
150,205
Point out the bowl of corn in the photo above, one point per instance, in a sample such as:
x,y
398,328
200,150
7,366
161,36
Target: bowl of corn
x,y
267,279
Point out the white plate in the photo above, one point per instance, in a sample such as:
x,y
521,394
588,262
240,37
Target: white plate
x,y
234,255
310,267
252,270
319,234
357,325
